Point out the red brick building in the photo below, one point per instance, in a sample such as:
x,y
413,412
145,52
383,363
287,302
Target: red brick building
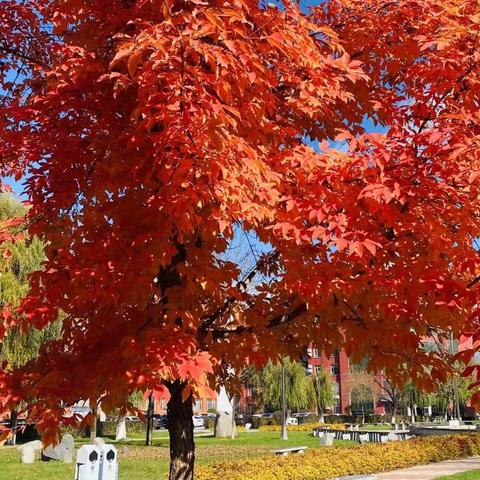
x,y
343,382
201,405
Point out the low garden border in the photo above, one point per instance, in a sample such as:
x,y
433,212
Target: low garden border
x,y
329,462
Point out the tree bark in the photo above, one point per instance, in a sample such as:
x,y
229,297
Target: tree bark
x,y
13,426
180,428
93,427
151,406
457,400
394,412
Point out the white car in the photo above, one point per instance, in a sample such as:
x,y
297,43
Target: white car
x,y
292,421
198,421
132,418
80,410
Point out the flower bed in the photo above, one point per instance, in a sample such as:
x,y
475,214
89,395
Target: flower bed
x,y
329,462
303,427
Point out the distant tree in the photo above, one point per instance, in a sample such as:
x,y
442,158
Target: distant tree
x,y
299,388
17,261
452,393
322,390
413,398
390,394
362,398
454,389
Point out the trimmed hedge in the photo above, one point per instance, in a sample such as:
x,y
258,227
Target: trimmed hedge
x,y
312,418
107,428
303,427
258,422
329,462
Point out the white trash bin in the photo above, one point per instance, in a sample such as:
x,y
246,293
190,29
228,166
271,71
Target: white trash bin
x,y
88,463
108,463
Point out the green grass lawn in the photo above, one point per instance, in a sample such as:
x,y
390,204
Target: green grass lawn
x,y
473,475
377,426
138,462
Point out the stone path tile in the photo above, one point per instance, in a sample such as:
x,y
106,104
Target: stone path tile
x,y
433,470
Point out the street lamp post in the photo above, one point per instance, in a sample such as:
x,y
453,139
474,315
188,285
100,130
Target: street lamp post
x,y
284,433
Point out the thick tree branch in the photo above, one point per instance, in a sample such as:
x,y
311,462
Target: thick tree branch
x,y
209,320
277,321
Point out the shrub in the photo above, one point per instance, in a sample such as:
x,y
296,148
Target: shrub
x,y
109,428
303,427
75,431
329,462
258,422
310,418
209,423
277,418
339,419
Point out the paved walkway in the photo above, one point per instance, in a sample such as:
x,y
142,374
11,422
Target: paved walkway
x,y
433,470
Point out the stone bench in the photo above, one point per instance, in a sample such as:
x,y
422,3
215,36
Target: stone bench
x,y
288,450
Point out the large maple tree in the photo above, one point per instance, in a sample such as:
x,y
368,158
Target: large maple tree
x,y
151,132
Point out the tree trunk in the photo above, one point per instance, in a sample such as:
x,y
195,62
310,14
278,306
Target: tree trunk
x,y
234,425
13,426
93,427
180,428
413,410
457,400
394,412
151,406
321,415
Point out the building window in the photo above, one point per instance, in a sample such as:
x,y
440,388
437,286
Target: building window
x,y
337,408
250,390
315,353
163,404
198,405
211,404
336,388
335,369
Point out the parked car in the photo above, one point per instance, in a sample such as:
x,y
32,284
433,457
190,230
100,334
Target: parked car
x,y
81,410
267,415
132,418
302,414
208,415
292,421
198,421
160,421
240,418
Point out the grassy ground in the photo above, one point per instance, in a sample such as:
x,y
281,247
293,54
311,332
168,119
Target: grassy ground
x,y
377,426
473,475
138,462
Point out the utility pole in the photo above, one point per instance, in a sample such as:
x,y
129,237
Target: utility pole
x,y
284,433
234,426
150,412
456,399
93,426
